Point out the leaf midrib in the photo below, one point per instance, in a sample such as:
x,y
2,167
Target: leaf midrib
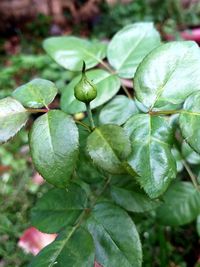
x,y
62,246
113,241
108,144
162,88
131,51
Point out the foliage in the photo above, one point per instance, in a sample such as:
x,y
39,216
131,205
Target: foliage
x,y
131,164
17,194
169,14
23,67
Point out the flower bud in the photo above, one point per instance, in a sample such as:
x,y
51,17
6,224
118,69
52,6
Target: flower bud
x,y
85,91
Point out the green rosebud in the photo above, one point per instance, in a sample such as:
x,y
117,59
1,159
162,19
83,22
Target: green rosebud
x,y
85,91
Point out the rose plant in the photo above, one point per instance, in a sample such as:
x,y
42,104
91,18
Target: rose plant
x,y
125,157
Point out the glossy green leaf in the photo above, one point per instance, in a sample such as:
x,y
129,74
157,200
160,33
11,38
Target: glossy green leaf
x,y
115,236
13,117
72,248
190,120
107,86
70,52
178,158
189,154
140,106
130,45
54,147
151,155
168,75
36,93
87,171
133,200
118,110
181,204
108,147
58,208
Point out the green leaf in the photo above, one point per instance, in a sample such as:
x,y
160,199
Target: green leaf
x,y
190,119
181,204
54,147
36,93
115,236
118,110
132,200
13,116
86,170
73,248
70,52
168,75
179,159
58,208
130,45
109,146
151,155
189,154
107,86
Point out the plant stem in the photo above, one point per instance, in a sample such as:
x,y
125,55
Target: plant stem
x,y
86,211
89,112
106,66
164,112
126,91
192,176
93,202
83,124
37,110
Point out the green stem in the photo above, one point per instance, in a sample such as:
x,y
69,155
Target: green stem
x,y
126,91
106,66
107,182
169,112
86,211
164,112
89,112
83,124
37,110
191,174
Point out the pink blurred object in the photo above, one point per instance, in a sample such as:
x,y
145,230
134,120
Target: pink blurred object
x,y
37,179
96,264
193,35
32,240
